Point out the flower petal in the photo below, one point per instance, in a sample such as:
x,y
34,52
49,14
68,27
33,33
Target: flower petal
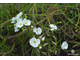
x,y
38,41
19,15
34,29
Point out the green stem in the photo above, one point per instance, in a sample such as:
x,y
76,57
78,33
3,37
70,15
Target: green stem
x,y
4,53
78,17
75,34
67,34
40,22
4,23
55,41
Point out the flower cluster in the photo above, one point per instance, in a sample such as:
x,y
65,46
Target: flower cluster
x,y
36,42
38,31
19,22
64,44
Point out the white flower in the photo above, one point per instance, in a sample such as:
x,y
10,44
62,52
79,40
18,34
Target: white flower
x,y
13,20
38,30
26,22
72,51
40,47
16,29
19,15
34,29
31,26
43,38
19,23
55,52
34,42
64,45
53,27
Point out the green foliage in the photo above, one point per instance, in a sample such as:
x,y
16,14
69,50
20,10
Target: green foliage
x,y
64,15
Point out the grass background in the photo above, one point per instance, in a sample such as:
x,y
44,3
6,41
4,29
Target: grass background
x,y
65,15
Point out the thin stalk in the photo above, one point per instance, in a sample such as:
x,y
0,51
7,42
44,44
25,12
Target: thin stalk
x,y
4,53
55,41
78,17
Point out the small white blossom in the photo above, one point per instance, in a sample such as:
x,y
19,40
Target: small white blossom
x,y
26,22
34,29
43,38
72,51
13,20
19,15
38,30
19,23
16,29
53,27
64,45
34,42
55,52
31,26
40,47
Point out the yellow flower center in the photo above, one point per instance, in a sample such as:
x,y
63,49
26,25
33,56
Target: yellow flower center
x,y
36,30
34,42
20,23
64,45
25,22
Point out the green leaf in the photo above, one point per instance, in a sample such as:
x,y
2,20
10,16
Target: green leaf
x,y
76,45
